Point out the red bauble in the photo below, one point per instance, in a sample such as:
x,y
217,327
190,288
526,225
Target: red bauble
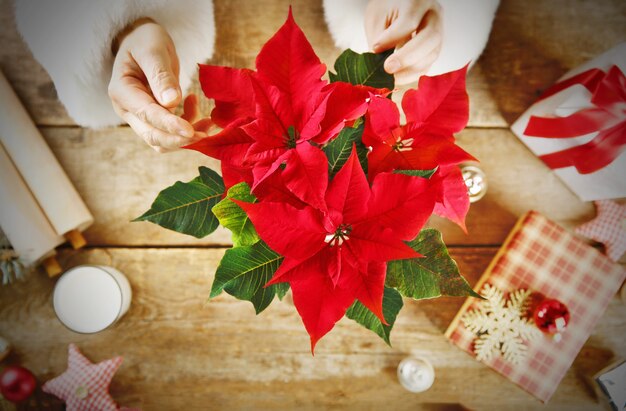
x,y
17,383
551,316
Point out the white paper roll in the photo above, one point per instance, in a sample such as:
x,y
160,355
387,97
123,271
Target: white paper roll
x,y
21,219
38,166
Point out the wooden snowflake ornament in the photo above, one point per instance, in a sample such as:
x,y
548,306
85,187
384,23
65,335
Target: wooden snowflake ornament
x,y
501,325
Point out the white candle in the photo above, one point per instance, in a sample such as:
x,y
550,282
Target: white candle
x,y
24,223
416,374
88,299
38,166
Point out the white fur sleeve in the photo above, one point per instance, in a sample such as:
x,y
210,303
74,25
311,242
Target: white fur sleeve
x,y
72,40
466,28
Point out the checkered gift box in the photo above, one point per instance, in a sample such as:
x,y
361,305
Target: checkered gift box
x,y
541,256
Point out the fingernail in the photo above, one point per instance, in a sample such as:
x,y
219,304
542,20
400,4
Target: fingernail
x,y
392,65
375,47
169,95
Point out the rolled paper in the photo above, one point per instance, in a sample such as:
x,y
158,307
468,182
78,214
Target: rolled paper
x,y
38,166
23,222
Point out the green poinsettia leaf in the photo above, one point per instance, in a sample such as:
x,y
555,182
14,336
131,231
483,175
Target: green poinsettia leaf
x,y
434,275
392,303
339,149
281,290
231,216
186,207
363,69
417,173
244,271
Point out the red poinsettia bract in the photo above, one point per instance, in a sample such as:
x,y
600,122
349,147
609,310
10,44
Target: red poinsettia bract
x,y
437,109
333,259
275,118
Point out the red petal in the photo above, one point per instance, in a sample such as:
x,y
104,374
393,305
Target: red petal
x,y
306,174
455,202
372,242
382,158
287,230
273,189
282,275
382,117
288,62
349,191
318,301
274,115
233,175
232,90
440,102
229,145
348,103
259,154
262,172
427,152
370,287
402,203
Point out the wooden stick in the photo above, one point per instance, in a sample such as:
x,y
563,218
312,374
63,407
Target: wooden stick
x,y
76,238
52,266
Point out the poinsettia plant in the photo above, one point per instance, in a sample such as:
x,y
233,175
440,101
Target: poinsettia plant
x,y
323,189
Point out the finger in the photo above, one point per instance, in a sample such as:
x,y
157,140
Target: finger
x,y
159,69
399,31
190,108
155,137
413,73
403,27
130,95
415,51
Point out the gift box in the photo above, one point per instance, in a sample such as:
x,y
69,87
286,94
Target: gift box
x,y
578,127
610,384
548,260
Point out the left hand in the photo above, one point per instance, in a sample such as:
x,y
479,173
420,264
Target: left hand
x,y
413,27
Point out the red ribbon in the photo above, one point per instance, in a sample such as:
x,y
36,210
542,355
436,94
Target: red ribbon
x,y
608,117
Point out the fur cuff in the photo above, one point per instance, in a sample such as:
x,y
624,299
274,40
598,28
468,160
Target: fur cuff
x,y
72,41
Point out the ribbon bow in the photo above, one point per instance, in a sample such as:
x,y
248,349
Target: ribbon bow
x,y
608,116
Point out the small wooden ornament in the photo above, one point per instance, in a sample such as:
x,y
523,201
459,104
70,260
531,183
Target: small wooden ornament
x,y
76,238
52,266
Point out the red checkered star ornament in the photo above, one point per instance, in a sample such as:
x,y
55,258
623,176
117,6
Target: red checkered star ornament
x,y
608,228
84,386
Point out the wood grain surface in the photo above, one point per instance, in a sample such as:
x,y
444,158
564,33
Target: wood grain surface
x,y
185,352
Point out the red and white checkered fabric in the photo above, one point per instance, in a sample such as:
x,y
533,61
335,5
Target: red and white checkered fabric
x,y
608,228
541,256
85,386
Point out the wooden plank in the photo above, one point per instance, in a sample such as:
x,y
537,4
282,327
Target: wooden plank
x,y
532,44
182,352
529,48
119,177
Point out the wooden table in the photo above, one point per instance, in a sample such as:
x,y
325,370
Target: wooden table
x,y
182,352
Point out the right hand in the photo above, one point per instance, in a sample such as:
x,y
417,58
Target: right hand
x,y
144,87
413,27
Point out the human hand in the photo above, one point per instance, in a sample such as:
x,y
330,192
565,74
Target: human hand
x,y
413,27
144,87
